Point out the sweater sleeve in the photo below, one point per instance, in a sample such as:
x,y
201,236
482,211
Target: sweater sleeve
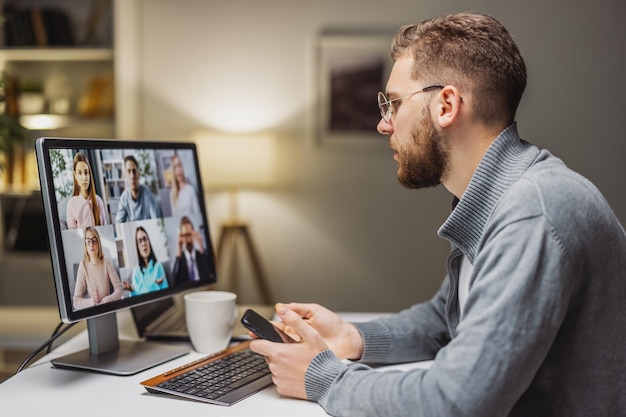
x,y
71,213
516,303
114,279
417,333
103,216
81,297
122,214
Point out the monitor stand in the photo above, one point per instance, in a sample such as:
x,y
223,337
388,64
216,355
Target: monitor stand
x,y
107,354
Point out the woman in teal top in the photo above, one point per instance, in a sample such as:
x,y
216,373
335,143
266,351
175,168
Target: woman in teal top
x,y
148,275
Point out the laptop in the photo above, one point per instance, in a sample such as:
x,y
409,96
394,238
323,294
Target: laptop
x,y
164,320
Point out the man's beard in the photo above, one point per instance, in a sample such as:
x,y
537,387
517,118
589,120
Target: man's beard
x,y
423,162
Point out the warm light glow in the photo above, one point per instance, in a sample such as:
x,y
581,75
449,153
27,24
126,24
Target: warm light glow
x,y
236,160
43,121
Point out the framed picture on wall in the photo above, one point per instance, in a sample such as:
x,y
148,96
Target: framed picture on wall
x,y
352,69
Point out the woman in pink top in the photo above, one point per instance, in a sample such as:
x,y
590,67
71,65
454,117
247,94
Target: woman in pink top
x,y
97,281
85,208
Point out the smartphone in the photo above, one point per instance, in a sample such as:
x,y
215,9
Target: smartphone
x,y
263,328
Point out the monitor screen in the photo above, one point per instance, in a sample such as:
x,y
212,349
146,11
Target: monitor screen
x,y
126,221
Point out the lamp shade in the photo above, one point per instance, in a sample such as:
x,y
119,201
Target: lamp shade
x,y
233,161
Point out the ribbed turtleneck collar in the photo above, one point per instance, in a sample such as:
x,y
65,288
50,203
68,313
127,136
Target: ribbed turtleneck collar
x,y
504,162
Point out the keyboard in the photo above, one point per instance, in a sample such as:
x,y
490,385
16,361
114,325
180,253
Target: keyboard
x,y
223,378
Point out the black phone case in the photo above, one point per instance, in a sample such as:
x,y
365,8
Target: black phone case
x,y
260,326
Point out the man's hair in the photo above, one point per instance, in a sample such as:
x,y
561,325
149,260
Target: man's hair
x,y
186,220
132,159
472,51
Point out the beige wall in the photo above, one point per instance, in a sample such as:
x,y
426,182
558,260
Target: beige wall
x,y
340,230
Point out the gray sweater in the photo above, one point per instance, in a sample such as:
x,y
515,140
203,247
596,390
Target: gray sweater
x,y
543,330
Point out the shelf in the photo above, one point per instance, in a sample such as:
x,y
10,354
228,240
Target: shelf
x,y
56,54
57,121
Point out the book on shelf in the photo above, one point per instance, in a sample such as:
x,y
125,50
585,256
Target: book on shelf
x,y
37,26
97,99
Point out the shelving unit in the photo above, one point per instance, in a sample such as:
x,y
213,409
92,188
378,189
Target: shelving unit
x,y
76,97
64,70
114,184
36,54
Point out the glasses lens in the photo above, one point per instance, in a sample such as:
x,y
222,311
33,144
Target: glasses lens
x,y
383,105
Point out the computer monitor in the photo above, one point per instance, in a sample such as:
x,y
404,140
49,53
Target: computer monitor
x,y
127,225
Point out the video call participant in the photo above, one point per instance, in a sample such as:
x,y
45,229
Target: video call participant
x,y
96,275
183,196
85,207
136,201
192,261
148,274
530,319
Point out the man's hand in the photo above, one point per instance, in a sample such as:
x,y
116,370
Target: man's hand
x,y
197,239
341,337
288,362
181,245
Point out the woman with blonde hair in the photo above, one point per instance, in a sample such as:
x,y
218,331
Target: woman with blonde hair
x,y
183,197
97,281
85,208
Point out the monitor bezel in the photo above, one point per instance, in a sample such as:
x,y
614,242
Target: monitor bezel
x,y
64,293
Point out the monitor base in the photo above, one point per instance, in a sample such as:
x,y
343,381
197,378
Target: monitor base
x,y
131,358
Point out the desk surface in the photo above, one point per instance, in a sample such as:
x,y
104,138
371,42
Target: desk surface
x,y
41,388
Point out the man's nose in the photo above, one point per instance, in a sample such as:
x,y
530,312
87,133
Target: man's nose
x,y
384,127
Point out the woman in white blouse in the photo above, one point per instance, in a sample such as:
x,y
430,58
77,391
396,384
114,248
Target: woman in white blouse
x,y
183,196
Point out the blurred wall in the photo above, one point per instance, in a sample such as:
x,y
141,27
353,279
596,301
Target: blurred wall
x,y
339,229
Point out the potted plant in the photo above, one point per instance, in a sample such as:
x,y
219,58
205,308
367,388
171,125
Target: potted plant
x,y
12,133
31,98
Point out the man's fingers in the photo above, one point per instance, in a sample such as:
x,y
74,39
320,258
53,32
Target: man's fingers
x,y
295,322
261,346
303,310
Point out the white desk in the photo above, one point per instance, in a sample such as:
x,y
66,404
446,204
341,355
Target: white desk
x,y
43,390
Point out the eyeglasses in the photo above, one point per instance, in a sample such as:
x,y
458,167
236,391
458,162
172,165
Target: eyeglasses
x,y
386,109
91,241
142,239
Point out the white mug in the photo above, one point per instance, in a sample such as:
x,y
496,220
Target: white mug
x,y
210,317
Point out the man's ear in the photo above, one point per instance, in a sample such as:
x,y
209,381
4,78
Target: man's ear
x,y
448,106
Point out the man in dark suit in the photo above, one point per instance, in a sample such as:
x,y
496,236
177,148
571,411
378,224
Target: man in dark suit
x,y
192,263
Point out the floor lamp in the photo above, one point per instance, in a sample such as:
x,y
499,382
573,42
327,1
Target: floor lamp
x,y
234,162
235,234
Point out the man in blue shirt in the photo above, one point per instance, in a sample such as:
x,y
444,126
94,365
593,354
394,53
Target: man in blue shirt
x,y
136,202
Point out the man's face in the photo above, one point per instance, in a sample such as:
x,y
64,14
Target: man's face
x,y
132,175
420,150
186,232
